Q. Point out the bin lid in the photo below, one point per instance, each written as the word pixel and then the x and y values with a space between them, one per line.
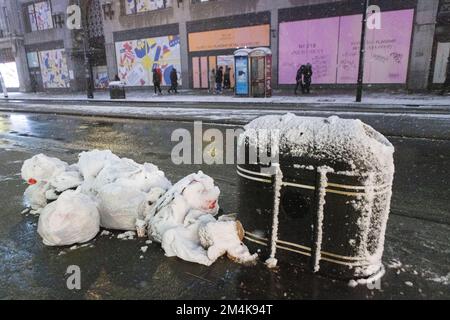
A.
pixel 116 84
pixel 336 142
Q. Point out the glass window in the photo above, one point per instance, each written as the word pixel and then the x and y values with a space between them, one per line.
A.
pixel 40 16
pixel 138 6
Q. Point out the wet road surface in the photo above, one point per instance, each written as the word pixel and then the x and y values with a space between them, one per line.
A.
pixel 418 234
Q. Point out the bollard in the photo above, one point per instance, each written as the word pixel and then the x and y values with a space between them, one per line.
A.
pixel 335 193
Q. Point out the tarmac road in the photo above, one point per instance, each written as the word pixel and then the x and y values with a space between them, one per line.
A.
pixel 418 232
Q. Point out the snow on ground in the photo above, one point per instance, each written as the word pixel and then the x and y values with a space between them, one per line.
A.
pixel 189 96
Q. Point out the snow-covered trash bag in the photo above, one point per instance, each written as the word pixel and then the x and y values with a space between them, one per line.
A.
pixel 41 168
pixel 122 206
pixel 177 218
pixel 72 218
pixel 91 162
pixel 38 172
pixel 125 191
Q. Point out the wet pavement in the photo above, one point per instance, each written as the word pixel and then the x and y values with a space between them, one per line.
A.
pixel 417 252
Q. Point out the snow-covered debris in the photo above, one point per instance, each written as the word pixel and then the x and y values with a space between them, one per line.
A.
pixel 144 249
pixel 183 221
pixel 118 193
pixel 225 237
pixel 105 233
pixel 73 218
pixel 129 235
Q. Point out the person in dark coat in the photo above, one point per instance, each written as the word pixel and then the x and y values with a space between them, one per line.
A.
pixel 227 78
pixel 157 77
pixel 307 78
pixel 299 79
pixel 173 81
pixel 116 77
pixel 219 80
pixel 446 85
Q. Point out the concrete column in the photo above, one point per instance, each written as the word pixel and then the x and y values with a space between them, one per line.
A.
pixel 274 45
pixel 22 66
pixel 184 51
pixel 422 44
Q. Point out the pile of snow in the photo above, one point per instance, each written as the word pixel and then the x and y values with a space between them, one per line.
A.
pixel 103 190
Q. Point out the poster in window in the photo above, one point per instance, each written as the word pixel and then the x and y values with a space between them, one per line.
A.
pixel 33 59
pixel 241 74
pixel 54 71
pixel 137 58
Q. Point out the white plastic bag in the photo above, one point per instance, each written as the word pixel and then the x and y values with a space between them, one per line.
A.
pixel 41 168
pixel 73 218
pixel 90 163
pixel 194 192
pixel 120 206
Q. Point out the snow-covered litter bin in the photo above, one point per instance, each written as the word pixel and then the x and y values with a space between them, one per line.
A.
pixel 336 188
pixel 117 90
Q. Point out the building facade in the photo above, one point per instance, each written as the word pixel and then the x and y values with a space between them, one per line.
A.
pixel 129 37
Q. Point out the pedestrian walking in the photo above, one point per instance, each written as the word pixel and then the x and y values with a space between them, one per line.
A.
pixel 227 78
pixel 116 77
pixel 299 79
pixel 212 80
pixel 446 85
pixel 157 78
pixel 173 81
pixel 307 78
pixel 219 80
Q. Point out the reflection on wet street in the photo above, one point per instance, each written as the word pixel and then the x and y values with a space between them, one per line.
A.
pixel 418 233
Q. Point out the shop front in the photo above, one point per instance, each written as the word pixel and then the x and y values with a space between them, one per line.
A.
pixel 138 52
pixel 330 42
pixel 212 44
pixel 441 50
pixel 47 65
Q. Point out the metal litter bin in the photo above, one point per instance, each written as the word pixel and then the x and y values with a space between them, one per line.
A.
pixel 335 195
pixel 117 90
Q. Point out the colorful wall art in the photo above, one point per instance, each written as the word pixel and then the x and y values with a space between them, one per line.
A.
pixel 40 15
pixel 54 69
pixel 138 6
pixel 137 58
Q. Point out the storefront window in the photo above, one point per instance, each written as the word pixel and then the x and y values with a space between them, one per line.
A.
pixel 40 16
pixel 200 1
pixel 139 6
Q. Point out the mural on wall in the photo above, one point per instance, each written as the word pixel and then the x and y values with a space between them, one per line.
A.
pixel 54 69
pixel 138 6
pixel 137 58
pixel 40 15
pixel 334 54
pixel 101 80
